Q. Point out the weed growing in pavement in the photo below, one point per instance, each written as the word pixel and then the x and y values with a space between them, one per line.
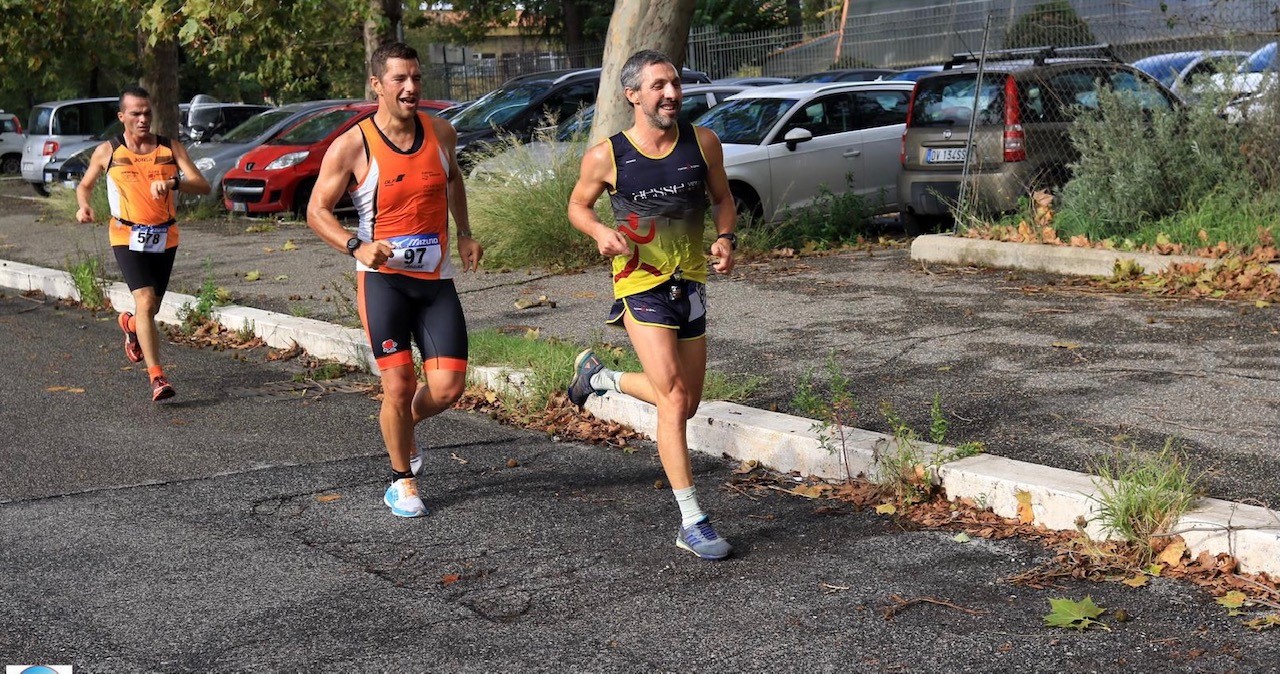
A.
pixel 322 371
pixel 86 275
pixel 516 198
pixel 248 331
pixel 833 413
pixel 343 298
pixel 905 469
pixel 830 221
pixel 209 296
pixel 1141 495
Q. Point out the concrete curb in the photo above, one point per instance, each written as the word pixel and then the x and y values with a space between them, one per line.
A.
pixel 1066 260
pixel 1059 499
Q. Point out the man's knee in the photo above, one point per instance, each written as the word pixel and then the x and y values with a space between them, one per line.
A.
pixel 146 304
pixel 399 385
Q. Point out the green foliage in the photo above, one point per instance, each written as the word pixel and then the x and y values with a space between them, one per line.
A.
pixel 1141 494
pixel 1185 171
pixel 86 275
pixel 740 16
pixel 1053 23
pixel 905 469
pixel 730 387
pixel 517 201
pixel 834 412
pixel 830 221
pixel 1078 615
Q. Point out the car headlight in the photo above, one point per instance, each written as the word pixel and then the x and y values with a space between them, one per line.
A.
pixel 206 164
pixel 287 160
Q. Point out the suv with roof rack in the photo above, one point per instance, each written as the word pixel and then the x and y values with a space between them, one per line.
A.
pixel 997 128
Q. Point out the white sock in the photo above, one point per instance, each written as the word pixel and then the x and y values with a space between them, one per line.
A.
pixel 606 380
pixel 690 511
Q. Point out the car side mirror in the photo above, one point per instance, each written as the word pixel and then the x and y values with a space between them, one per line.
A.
pixel 796 136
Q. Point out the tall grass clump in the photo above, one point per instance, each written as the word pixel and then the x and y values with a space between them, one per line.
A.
pixel 1141 495
pixel 518 195
pixel 86 275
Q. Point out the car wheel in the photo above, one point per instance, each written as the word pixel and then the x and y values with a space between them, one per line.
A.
pixel 40 189
pixel 11 164
pixel 300 199
pixel 746 203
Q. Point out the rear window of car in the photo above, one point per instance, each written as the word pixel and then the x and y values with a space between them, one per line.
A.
pixel 38 122
pixel 256 126
pixel 949 100
pixel 1261 60
pixel 746 121
pixel 315 129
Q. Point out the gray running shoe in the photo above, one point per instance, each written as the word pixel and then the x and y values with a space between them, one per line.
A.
pixel 703 541
pixel 585 366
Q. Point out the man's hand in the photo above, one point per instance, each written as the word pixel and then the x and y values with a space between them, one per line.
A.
pixel 374 254
pixel 470 251
pixel 161 188
pixel 85 214
pixel 724 250
pixel 610 242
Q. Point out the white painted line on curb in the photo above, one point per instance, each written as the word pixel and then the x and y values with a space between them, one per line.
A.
pixel 1060 499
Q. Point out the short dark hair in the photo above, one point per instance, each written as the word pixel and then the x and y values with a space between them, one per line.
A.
pixel 135 91
pixel 638 62
pixel 390 50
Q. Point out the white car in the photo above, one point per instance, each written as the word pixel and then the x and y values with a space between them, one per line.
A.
pixel 784 145
pixel 1254 75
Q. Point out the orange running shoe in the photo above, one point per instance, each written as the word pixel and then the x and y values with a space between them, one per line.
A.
pixel 160 389
pixel 132 349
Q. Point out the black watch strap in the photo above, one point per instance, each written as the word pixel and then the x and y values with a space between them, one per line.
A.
pixel 353 244
pixel 733 239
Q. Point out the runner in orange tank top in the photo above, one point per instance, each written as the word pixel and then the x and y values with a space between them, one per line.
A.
pixel 401 169
pixel 143 171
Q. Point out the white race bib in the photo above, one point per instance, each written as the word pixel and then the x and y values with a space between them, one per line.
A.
pixel 144 239
pixel 417 252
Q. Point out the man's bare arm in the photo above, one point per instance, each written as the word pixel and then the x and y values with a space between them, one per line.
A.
pixel 469 250
pixel 84 190
pixel 593 179
pixel 337 169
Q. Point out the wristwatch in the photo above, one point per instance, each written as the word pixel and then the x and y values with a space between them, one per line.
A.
pixel 353 244
pixel 733 239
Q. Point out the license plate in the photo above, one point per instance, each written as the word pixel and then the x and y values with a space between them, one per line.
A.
pixel 70 184
pixel 239 207
pixel 50 176
pixel 945 155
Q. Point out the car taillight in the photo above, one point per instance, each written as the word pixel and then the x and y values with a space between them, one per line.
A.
pixel 911 107
pixel 50 148
pixel 1015 141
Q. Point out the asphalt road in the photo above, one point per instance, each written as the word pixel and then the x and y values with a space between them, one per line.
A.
pixel 225 531
pixel 1036 370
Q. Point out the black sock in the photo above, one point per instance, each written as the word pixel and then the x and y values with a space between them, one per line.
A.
pixel 397 475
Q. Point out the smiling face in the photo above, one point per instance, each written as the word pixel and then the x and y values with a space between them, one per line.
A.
pixel 659 95
pixel 399 87
pixel 135 114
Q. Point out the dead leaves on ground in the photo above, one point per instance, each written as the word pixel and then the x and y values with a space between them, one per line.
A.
pixel 560 418
pixel 212 334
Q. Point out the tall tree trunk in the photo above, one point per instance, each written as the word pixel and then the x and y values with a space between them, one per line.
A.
pixel 637 24
pixel 159 67
pixel 382 26
pixel 573 29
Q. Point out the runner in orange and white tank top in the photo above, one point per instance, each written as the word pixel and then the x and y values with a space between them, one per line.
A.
pixel 143 170
pixel 401 169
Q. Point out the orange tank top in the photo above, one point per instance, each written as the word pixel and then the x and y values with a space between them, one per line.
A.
pixel 404 199
pixel 137 219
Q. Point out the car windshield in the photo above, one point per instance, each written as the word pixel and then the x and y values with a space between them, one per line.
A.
pixel 1164 68
pixel 1260 61
pixel 949 101
pixel 746 121
pixel 499 106
pixel 114 129
pixel 315 128
pixel 255 126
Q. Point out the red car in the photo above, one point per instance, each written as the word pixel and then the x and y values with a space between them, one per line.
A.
pixel 278 175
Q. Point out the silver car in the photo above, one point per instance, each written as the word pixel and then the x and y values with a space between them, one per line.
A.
pixel 58 123
pixel 785 145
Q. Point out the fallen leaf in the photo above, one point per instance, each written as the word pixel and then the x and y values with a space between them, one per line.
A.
pixel 1065 345
pixel 1079 615
pixel 512 463
pixel 450 578
pixel 328 498
pixel 811 491
pixel 67 389
pixel 282 277
pixel 961 537
pixel 746 467
pixel 1171 556
pixel 886 509
pixel 1026 514
pixel 1137 581
pixel 1232 600
pixel 253 275
pixel 289 245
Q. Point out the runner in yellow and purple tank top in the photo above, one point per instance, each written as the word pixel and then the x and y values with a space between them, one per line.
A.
pixel 659 173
